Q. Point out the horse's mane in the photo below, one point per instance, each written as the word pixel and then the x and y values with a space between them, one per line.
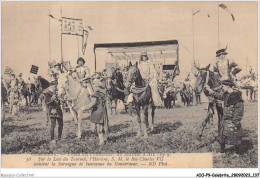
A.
pixel 119 78
pixel 139 80
pixel 44 83
pixel 214 80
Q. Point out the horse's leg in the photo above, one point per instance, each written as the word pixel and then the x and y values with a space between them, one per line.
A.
pixel 80 114
pixel 47 114
pixel 251 94
pixel 205 122
pixel 14 110
pixel 29 99
pixel 139 121
pixel 111 106
pixel 115 106
pixel 10 107
pixel 2 117
pixel 100 134
pixel 73 113
pixel 145 121
pixel 220 127
pixel 153 113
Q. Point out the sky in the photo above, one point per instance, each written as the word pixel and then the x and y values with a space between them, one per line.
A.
pixel 25 31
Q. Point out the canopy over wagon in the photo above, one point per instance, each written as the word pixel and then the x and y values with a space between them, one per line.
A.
pixel 165 54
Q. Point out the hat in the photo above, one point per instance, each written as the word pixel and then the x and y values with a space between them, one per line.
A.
pixel 144 53
pixel 80 59
pixel 58 64
pixel 221 52
pixel 20 74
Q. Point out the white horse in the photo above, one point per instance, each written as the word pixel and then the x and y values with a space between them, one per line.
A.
pixel 80 101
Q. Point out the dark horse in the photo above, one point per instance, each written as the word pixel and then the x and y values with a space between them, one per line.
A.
pixel 26 93
pixel 169 97
pixel 207 77
pixel 43 84
pixel 115 89
pixel 142 98
pixel 186 95
pixel 33 91
pixel 4 99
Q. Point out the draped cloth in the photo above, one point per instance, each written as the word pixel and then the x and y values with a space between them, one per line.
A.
pixel 150 75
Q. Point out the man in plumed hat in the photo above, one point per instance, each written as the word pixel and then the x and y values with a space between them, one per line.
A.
pixel 225 68
pixel 232 109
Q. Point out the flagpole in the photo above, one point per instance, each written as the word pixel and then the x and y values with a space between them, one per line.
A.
pixel 218 24
pixel 49 34
pixel 246 64
pixel 193 37
pixel 61 39
pixel 78 44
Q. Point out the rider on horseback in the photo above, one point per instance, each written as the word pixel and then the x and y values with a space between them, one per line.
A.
pixel 233 104
pixel 149 74
pixel 14 95
pixel 225 68
pixel 83 74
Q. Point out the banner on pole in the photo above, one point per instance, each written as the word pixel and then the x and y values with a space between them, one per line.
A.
pixel 34 69
pixel 84 41
pixel 72 26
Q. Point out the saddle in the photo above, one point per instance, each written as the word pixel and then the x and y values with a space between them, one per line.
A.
pixel 139 92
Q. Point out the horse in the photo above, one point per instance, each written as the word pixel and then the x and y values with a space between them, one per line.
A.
pixel 4 99
pixel 207 77
pixel 115 90
pixel 250 86
pixel 43 84
pixel 81 101
pixel 186 94
pixel 33 90
pixel 25 91
pixel 142 97
pixel 169 96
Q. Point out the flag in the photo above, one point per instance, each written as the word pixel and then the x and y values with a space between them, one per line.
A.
pixel 72 26
pixel 8 71
pixel 196 12
pixel 84 41
pixel 223 6
pixel 89 27
pixel 34 69
pixel 176 72
pixel 51 16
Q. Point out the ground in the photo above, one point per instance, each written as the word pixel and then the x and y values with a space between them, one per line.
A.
pixel 175 132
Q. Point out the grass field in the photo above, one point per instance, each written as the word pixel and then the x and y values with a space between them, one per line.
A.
pixel 175 132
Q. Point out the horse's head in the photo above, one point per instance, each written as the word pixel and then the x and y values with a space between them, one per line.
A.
pixel 201 79
pixel 132 75
pixel 63 84
pixel 109 83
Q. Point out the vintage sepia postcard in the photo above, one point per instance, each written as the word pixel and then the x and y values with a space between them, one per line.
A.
pixel 129 84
